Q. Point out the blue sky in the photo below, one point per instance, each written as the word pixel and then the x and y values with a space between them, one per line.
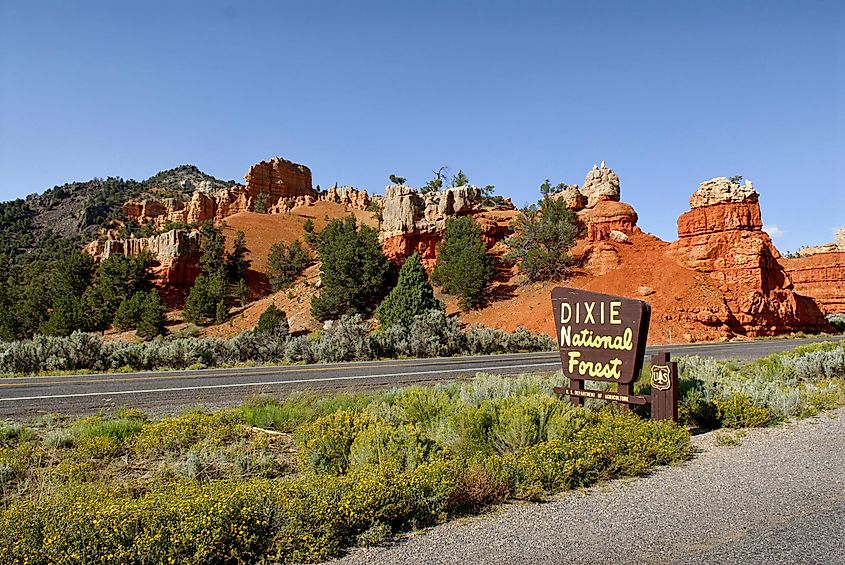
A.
pixel 668 93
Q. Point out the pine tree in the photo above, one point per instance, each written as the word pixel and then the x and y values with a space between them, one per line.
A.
pixel 117 278
pixel 286 263
pixel 543 237
pixel 129 312
pixel 354 270
pixel 152 319
pixel 213 249
pixel 208 299
pixel 242 293
pixel 412 295
pixel 463 266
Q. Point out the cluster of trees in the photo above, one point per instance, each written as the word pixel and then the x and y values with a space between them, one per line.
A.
pixel 222 277
pixel 355 274
pixel 59 290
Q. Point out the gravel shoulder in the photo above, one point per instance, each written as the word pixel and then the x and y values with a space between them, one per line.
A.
pixel 777 497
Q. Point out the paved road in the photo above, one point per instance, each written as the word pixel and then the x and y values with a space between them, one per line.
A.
pixel 170 391
pixel 777 497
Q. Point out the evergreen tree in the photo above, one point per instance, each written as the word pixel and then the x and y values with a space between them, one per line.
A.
pixel 67 316
pixel 436 183
pixel 273 321
pixel 543 237
pixel 286 263
pixel 67 279
pixel 236 262
pixel 213 249
pixel 412 295
pixel 207 300
pixel 129 312
pixel 460 179
pixel 261 203
pixel 354 270
pixel 464 268
pixel 117 278
pixel 153 318
pixel 144 312
pixel 242 293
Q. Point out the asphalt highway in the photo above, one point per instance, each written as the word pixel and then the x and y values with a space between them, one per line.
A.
pixel 171 391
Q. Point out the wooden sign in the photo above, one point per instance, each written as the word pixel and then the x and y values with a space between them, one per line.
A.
pixel 603 338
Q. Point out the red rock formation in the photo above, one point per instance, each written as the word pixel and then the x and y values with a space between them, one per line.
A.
pixel 821 277
pixel 415 223
pixel 278 178
pixel 175 254
pixel 607 216
pixel 722 236
pixel 399 247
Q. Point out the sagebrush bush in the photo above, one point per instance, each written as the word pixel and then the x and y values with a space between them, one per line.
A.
pixel 432 334
pixel 347 340
pixel 837 321
pixel 738 411
pixel 324 444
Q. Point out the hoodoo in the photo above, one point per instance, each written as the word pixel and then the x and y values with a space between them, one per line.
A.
pixel 722 235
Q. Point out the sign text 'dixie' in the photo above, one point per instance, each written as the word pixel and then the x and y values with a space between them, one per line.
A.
pixel 601 337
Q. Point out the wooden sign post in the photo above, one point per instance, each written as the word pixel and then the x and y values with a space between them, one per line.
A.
pixel 664 388
pixel 603 338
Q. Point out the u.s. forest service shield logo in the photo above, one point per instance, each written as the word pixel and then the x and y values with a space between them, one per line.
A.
pixel 660 377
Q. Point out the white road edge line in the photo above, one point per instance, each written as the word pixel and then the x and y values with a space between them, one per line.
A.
pixel 270 383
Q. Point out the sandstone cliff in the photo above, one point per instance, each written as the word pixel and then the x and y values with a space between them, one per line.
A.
pixel 819 272
pixel 175 255
pixel 722 235
pixel 277 182
pixel 414 222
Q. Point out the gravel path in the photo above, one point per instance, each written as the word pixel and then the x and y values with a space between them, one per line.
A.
pixel 777 497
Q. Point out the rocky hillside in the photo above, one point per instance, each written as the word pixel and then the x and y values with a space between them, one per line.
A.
pixel 78 210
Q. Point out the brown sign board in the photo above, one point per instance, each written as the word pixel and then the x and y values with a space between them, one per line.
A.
pixel 601 337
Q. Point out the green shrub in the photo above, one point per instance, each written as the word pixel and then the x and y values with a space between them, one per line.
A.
pixel 398 447
pixel 13 432
pixel 695 410
pixel 522 421
pixel 324 444
pixel 737 411
pixel 837 321
pixel 421 404
pixel 273 321
pixel 543 236
pixel 347 340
